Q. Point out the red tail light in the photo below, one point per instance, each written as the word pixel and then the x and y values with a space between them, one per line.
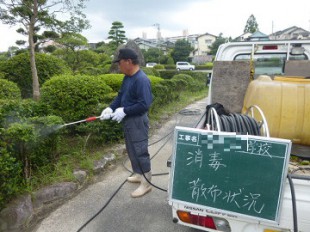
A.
pixel 204 221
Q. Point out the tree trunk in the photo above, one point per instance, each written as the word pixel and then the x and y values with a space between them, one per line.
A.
pixel 34 72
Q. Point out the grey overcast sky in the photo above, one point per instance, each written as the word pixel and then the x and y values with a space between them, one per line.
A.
pixel 174 16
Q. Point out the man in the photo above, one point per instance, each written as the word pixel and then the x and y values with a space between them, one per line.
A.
pixel 131 106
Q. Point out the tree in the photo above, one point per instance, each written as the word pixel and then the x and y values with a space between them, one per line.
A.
pixel 33 15
pixel 116 34
pixel 215 45
pixel 181 51
pixel 251 25
pixel 105 48
pixel 72 43
pixel 153 55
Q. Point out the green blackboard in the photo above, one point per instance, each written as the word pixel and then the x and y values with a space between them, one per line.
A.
pixel 237 174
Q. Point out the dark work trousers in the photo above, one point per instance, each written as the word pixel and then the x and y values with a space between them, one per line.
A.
pixel 136 137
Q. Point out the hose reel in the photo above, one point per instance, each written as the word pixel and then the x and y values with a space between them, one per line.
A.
pixel 239 123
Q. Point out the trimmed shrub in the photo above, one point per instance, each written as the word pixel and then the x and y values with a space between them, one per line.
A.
pixel 156 73
pixel 168 74
pixel 151 71
pixel 207 66
pixel 11 180
pixel 193 84
pixel 106 68
pixel 170 66
pixel 155 80
pixel 2 74
pixel 159 66
pixel 49 132
pixel 75 97
pixel 33 141
pixel 161 96
pixel 9 90
pixel 12 111
pixel 173 90
pixel 113 80
pixel 148 71
pixel 198 76
pixel 18 70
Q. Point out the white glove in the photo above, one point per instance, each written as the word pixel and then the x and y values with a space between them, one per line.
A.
pixel 118 114
pixel 106 114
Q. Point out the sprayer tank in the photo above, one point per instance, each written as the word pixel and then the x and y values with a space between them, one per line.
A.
pixel 285 102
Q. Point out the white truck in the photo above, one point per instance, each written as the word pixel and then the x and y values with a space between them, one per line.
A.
pixel 273 78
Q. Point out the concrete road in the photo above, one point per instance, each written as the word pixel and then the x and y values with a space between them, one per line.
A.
pixel 102 207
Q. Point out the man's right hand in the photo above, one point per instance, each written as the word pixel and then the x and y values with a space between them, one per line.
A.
pixel 106 113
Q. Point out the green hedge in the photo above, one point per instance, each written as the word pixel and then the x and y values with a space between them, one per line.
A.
pixel 26 133
pixel 9 90
pixel 34 141
pixel 168 74
pixel 12 111
pixel 18 70
pixel 159 67
pixel 75 97
pixel 207 66
pixel 170 66
pixel 26 146
pixel 115 80
pixel 11 181
pixel 151 71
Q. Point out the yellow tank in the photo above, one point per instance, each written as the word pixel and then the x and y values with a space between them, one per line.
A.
pixel 286 106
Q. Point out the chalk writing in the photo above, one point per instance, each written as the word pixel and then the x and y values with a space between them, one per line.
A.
pixel 230 197
pixel 195 158
pixel 249 201
pixel 215 161
pixel 259 148
pixel 214 192
pixel 197 189
pixel 227 172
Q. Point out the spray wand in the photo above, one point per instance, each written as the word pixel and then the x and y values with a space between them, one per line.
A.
pixel 84 120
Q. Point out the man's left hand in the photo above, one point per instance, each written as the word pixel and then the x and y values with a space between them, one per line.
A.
pixel 118 114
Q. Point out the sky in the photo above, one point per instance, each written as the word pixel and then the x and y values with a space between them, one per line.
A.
pixel 174 16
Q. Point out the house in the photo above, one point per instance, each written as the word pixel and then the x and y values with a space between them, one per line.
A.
pixel 257 36
pixel 203 43
pixel 145 43
pixel 165 43
pixel 248 36
pixel 290 33
pixel 243 37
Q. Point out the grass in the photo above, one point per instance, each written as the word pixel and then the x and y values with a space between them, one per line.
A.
pixel 174 107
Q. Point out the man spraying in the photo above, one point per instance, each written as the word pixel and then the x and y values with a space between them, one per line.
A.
pixel 130 107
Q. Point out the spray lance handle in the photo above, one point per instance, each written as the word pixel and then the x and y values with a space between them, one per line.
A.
pixel 91 119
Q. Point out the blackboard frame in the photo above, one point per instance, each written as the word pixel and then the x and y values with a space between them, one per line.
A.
pixel 181 190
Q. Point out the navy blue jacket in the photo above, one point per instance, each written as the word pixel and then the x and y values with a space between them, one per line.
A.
pixel 135 94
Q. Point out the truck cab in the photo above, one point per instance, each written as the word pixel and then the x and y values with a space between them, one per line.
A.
pixel 273 76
